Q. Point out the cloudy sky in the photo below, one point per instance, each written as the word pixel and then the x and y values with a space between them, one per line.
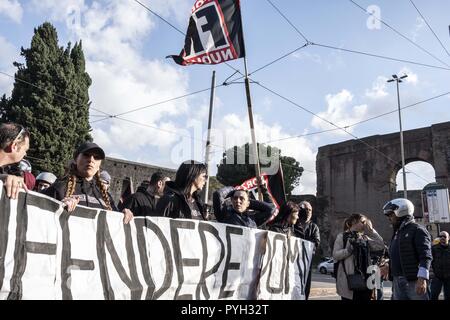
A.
pixel 125 46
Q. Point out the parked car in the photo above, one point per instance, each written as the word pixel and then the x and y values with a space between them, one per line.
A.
pixel 326 266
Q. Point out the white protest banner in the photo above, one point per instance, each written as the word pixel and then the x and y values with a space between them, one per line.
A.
pixel 47 253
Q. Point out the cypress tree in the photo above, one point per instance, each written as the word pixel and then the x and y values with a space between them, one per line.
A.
pixel 54 103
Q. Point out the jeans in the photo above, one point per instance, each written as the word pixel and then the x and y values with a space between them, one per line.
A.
pixel 436 287
pixel 406 290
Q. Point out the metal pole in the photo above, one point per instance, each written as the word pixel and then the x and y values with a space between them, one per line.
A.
pixel 208 139
pixel 252 127
pixel 405 192
pixel 250 115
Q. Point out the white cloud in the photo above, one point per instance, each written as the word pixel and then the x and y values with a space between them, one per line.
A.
pixel 234 130
pixel 378 89
pixel 340 112
pixel 304 55
pixel 8 54
pixel 420 23
pixel 412 78
pixel 12 9
pixel 112 33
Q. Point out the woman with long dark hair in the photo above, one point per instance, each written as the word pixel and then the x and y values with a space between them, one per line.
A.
pixel 285 221
pixel 181 198
pixel 82 185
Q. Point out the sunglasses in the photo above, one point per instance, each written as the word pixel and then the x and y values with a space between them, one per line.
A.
pixel 20 134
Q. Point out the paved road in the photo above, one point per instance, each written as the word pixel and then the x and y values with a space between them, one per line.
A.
pixel 323 287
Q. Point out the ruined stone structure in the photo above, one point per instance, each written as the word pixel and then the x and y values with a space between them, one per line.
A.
pixel 121 169
pixel 353 178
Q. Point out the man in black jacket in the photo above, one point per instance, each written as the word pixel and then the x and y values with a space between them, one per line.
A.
pixel 409 252
pixel 441 267
pixel 307 230
pixel 235 207
pixel 143 202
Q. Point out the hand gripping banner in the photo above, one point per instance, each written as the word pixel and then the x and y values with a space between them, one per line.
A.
pixel 214 33
pixel 47 253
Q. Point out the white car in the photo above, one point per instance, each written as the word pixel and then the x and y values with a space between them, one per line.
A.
pixel 326 266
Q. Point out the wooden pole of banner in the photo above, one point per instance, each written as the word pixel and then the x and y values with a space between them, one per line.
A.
pixel 252 129
pixel 208 140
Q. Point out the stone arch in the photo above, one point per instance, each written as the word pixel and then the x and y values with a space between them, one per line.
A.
pixel 352 177
pixel 413 174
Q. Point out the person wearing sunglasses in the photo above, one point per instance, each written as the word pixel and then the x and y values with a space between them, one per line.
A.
pixel 83 184
pixel 441 267
pixel 14 144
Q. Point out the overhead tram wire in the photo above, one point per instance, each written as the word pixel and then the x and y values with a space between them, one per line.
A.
pixel 400 34
pixel 348 50
pixel 56 94
pixel 292 25
pixel 273 91
pixel 362 121
pixel 380 56
pixel 331 123
pixel 435 35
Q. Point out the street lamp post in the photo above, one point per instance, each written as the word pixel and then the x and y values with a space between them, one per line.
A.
pixel 398 80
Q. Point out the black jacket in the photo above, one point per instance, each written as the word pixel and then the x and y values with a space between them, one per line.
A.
pixel 287 230
pixel 173 203
pixel 256 215
pixel 88 191
pixel 141 203
pixel 441 261
pixel 309 232
pixel 414 247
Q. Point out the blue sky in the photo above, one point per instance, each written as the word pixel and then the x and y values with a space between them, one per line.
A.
pixel 125 47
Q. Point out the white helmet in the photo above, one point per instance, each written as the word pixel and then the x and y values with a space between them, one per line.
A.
pixel 401 207
pixel 47 177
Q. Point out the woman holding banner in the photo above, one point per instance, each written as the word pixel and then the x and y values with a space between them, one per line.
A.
pixel 285 221
pixel 182 197
pixel 82 185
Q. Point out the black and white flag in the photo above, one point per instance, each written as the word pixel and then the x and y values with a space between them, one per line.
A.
pixel 214 33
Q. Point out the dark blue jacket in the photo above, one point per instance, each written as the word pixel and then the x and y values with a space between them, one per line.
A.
pixel 414 243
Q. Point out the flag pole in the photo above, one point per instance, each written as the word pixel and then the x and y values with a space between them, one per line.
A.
pixel 250 115
pixel 208 140
pixel 252 128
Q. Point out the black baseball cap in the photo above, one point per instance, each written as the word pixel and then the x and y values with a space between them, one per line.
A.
pixel 89 146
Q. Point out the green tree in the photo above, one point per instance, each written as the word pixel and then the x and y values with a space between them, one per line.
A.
pixel 4 104
pixel 237 165
pixel 50 97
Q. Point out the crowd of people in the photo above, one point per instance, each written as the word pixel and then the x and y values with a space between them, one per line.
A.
pixel 407 261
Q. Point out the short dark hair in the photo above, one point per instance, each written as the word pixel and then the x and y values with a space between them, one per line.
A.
pixel 187 173
pixel 10 132
pixel 157 176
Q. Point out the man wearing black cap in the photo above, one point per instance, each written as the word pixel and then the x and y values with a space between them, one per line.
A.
pixel 83 184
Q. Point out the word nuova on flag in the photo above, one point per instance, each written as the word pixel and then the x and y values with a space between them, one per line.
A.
pixel 214 33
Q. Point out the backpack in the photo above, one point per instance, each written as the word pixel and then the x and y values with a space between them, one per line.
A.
pixel 336 264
